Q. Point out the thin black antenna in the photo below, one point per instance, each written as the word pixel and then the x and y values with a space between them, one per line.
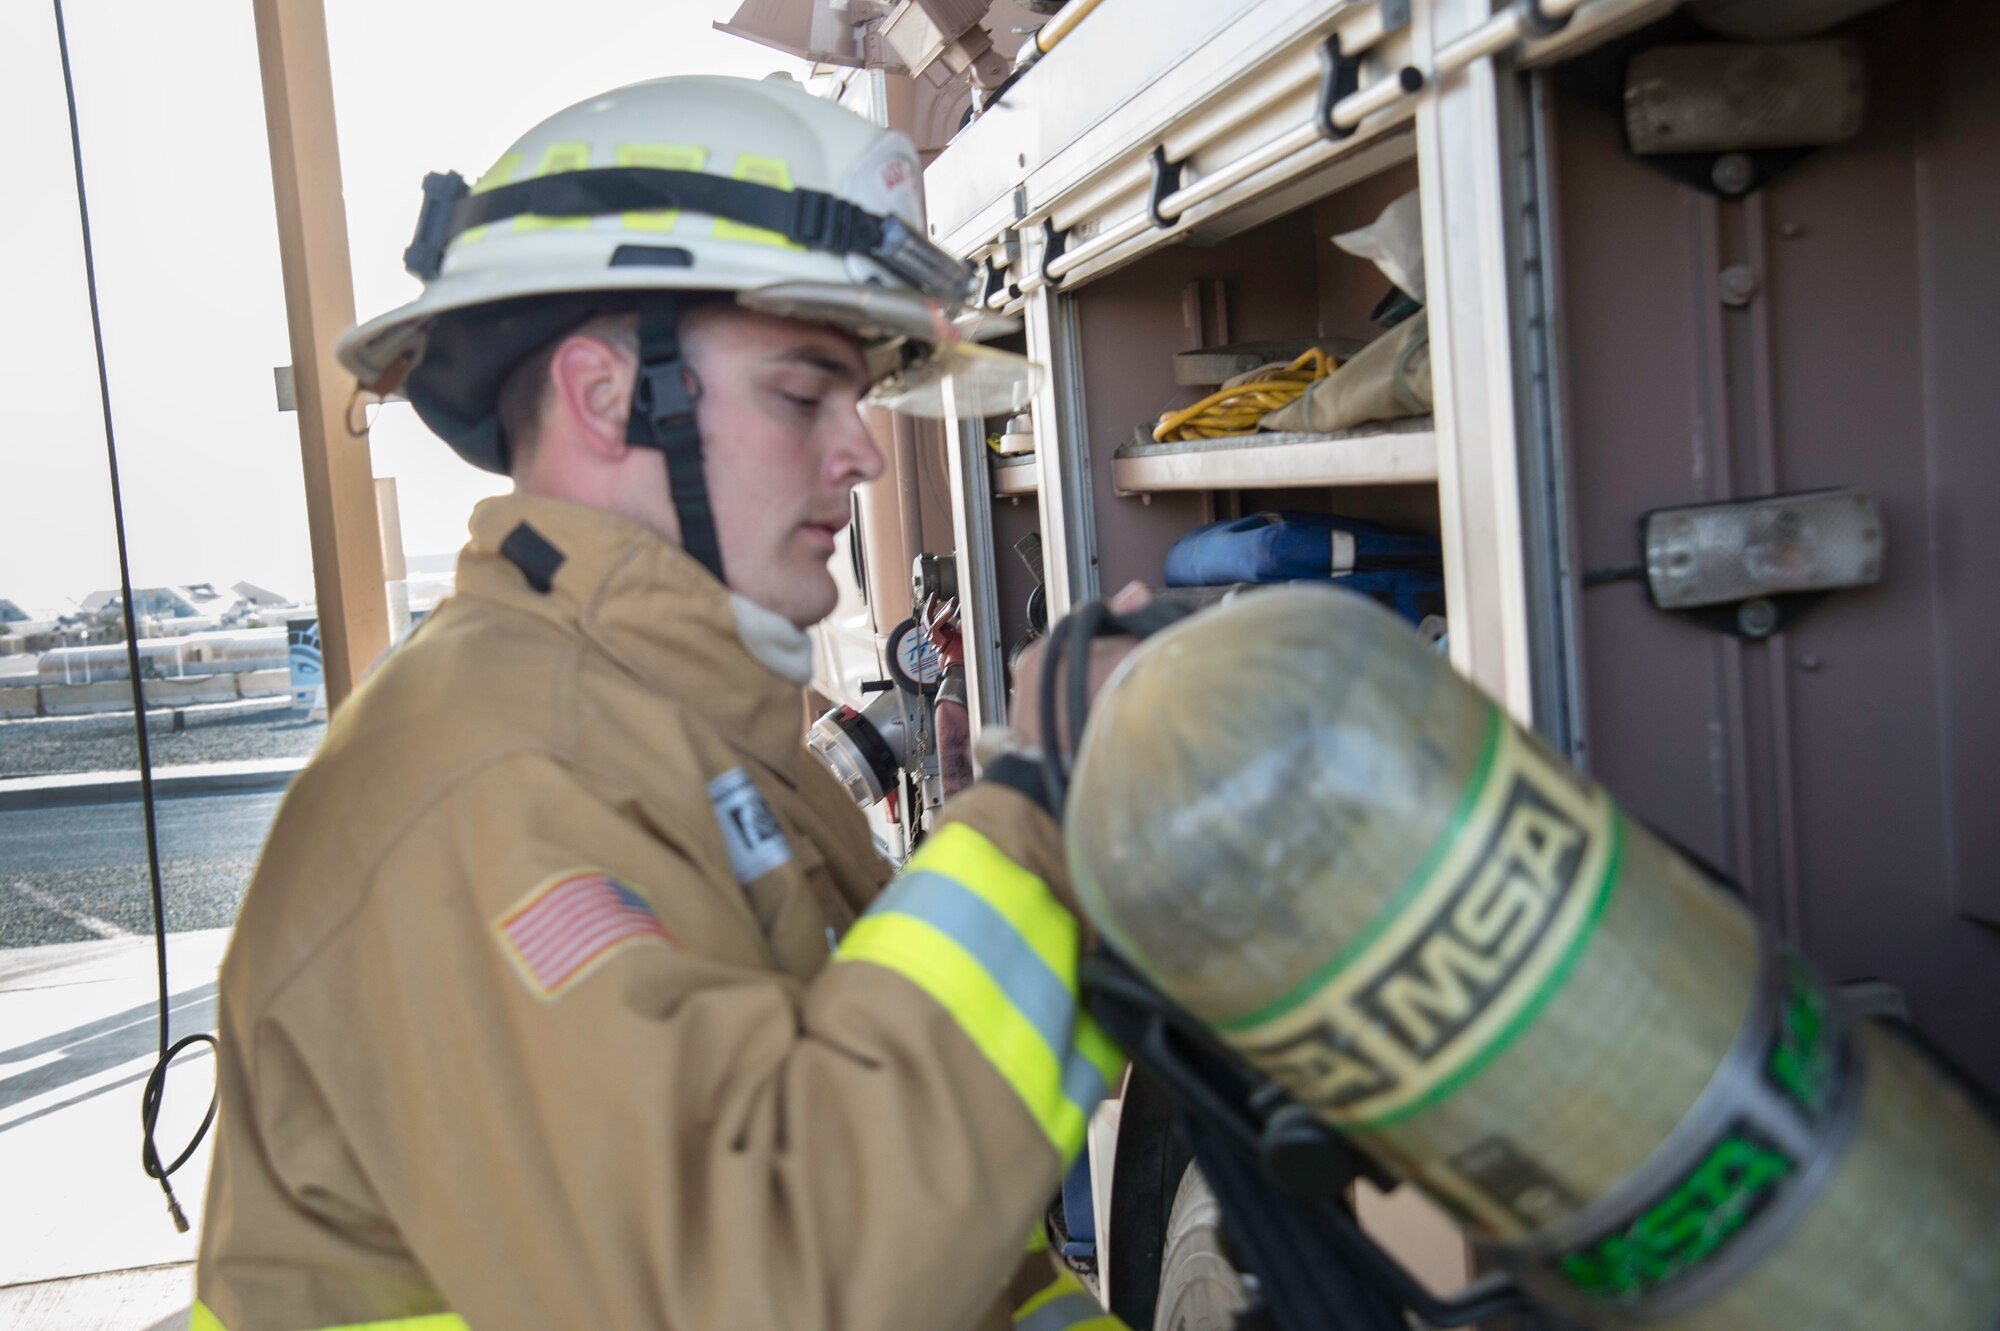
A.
pixel 149 1108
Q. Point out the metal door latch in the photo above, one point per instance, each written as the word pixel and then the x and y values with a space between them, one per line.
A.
pixel 1750 567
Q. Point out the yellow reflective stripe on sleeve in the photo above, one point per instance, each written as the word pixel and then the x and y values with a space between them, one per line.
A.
pixel 1016 895
pixel 1095 1048
pixel 1092 1066
pixel 201 1319
pixel 1064 1282
pixel 1038 1238
pixel 770 171
pixel 936 964
pixel 990 943
pixel 557 159
pixel 1077 1312
pixel 501 173
pixel 1022 900
pixel 1064 1305
pixel 659 157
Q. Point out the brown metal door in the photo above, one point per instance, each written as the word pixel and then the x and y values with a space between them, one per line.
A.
pixel 1847 769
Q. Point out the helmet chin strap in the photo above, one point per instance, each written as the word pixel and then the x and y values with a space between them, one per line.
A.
pixel 663 417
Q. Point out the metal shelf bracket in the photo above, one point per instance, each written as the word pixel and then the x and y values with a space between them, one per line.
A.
pixel 1339 78
pixel 1054 242
pixel 1166 180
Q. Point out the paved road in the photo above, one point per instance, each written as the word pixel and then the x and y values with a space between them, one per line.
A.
pixel 69 874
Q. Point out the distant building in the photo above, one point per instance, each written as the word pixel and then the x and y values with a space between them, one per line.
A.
pixel 21 623
pixel 261 597
pixel 196 607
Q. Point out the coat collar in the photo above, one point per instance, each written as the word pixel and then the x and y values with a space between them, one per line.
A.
pixel 646 605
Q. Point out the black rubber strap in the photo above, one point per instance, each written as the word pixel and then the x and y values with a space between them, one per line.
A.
pixel 530 551
pixel 807 217
pixel 1022 775
pixel 663 417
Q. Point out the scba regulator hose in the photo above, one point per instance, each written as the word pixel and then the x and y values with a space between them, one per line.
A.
pixel 1303 827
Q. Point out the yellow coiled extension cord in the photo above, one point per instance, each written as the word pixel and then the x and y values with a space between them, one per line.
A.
pixel 1237 408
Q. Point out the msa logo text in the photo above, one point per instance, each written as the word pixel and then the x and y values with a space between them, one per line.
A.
pixel 1390 1032
pixel 1441 982
pixel 1703 1213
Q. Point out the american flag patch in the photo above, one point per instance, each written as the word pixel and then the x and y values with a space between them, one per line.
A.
pixel 569 925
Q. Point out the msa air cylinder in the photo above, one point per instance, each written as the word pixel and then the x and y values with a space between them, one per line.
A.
pixel 1302 826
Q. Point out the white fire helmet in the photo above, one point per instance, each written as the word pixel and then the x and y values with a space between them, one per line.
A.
pixel 663 194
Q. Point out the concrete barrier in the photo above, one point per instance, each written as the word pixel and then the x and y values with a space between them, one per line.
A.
pixel 115 695
pixel 194 689
pixel 110 695
pixel 265 683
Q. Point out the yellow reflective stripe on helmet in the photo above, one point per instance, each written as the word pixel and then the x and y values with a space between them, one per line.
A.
pixel 658 157
pixel 557 159
pixel 201 1319
pixel 500 173
pixel 770 171
pixel 1064 1305
pixel 990 943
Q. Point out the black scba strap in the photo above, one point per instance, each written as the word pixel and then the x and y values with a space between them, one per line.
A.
pixel 663 417
pixel 1281 1176
pixel 812 218
pixel 1069 661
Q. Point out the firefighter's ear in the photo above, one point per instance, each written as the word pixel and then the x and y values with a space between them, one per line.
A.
pixel 591 381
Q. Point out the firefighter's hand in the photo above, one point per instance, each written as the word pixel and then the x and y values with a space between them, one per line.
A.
pixel 1024 709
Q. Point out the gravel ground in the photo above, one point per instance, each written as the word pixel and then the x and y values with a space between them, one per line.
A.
pixel 48 746
pixel 78 872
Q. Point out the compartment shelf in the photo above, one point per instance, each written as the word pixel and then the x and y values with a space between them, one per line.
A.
pixel 1390 453
pixel 1015 476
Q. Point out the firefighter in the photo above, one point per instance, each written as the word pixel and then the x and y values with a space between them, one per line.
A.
pixel 566 993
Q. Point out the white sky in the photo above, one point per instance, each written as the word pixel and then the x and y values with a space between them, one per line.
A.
pixel 178 170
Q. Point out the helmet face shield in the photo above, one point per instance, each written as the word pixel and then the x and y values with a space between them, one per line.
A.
pixel 960 380
pixel 915 345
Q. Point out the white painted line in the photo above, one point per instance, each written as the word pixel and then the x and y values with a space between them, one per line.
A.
pixel 102 928
pixel 135 1069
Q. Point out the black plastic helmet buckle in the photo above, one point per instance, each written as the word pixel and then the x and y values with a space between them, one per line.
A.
pixel 425 255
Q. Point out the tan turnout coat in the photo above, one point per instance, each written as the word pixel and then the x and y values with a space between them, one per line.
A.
pixel 700 1124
